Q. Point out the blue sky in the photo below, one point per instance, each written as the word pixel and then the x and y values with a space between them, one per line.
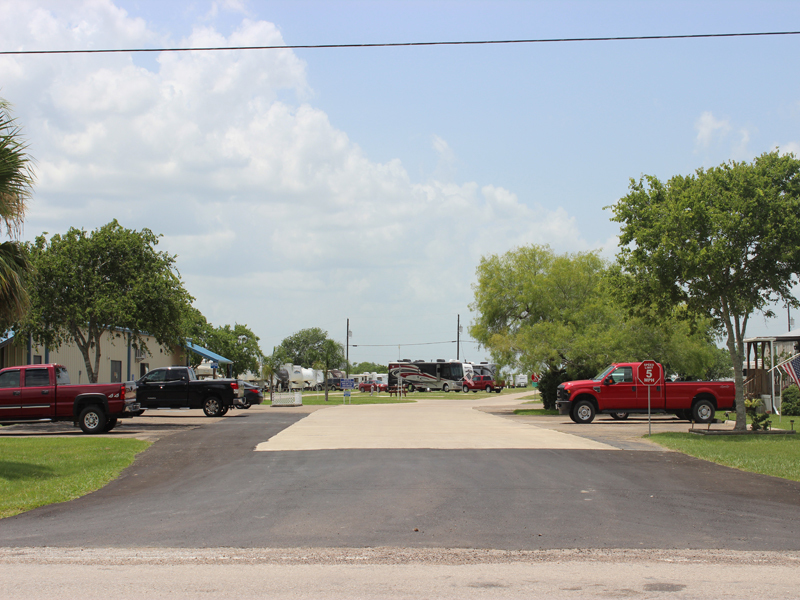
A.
pixel 301 188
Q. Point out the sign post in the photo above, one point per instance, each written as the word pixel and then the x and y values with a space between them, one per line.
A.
pixel 347 385
pixel 649 374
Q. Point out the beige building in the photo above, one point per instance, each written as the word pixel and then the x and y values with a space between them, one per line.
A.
pixel 119 360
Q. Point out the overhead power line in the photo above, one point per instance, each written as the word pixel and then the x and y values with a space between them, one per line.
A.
pixel 410 44
pixel 398 345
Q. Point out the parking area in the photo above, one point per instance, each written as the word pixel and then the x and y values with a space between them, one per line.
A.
pixel 624 435
pixel 151 426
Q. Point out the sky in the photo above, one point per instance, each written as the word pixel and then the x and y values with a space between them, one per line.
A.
pixel 301 188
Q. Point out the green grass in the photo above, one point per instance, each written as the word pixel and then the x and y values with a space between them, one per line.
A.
pixel 318 398
pixel 338 398
pixel 776 421
pixel 536 412
pixel 776 455
pixel 39 471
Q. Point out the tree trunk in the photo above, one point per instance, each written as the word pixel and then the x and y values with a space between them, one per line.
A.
pixel 735 349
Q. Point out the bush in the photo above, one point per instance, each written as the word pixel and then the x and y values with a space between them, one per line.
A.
pixel 791 402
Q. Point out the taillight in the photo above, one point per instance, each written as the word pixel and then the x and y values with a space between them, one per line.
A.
pixel 234 385
pixel 123 392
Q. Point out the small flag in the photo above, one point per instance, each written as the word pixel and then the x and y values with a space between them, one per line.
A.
pixel 792 367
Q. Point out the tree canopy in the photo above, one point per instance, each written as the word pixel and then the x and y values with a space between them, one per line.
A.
pixel 238 344
pixel 16 186
pixel 560 315
pixel 112 279
pixel 369 367
pixel 724 243
pixel 302 348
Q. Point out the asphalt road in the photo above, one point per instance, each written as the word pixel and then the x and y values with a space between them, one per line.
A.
pixel 207 488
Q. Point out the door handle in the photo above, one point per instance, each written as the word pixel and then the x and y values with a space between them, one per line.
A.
pixel 633 388
pixel 45 392
pixel 17 393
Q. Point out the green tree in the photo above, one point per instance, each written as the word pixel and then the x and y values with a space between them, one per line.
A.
pixel 724 243
pixel 559 315
pixel 112 279
pixel 301 348
pixel 329 355
pixel 238 344
pixel 370 367
pixel 16 181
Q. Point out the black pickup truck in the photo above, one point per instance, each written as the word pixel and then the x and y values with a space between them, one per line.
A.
pixel 179 387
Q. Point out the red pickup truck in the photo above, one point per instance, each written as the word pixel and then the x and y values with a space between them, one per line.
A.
pixel 616 391
pixel 40 393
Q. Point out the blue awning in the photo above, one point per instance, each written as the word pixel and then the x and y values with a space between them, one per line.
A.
pixel 206 353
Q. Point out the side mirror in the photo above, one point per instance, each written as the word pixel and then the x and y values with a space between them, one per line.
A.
pixel 608 381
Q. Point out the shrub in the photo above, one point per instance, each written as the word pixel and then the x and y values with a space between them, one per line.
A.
pixel 790 406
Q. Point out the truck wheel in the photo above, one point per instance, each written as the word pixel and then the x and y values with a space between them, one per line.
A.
pixel 703 411
pixel 583 412
pixel 246 405
pixel 465 389
pixel 445 388
pixel 619 416
pixel 488 389
pixel 110 424
pixel 212 407
pixel 225 410
pixel 92 420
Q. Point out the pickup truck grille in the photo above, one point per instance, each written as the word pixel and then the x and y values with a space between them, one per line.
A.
pixel 561 393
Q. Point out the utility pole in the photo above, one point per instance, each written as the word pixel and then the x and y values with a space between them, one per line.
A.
pixel 347 359
pixel 458 338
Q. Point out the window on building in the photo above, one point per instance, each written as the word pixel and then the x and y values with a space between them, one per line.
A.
pixel 116 371
pixel 37 359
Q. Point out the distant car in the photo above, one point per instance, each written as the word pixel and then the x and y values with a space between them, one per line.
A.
pixel 481 382
pixel 252 395
pixel 374 386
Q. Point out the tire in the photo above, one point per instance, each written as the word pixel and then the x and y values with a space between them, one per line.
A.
pixel 703 411
pixel 488 389
pixel 225 410
pixel 110 424
pixel 246 406
pixel 465 389
pixel 92 420
pixel 583 412
pixel 212 407
pixel 445 388
pixel 572 417
pixel 619 416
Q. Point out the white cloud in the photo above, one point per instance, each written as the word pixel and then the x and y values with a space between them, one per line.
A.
pixel 709 128
pixel 279 220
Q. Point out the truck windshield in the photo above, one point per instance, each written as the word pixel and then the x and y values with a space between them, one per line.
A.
pixel 602 375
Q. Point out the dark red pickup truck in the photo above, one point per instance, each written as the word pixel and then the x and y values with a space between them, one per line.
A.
pixel 616 391
pixel 37 393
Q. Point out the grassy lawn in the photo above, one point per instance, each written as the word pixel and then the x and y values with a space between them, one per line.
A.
pixel 318 398
pixel 535 412
pixel 39 471
pixel 776 455
pixel 776 421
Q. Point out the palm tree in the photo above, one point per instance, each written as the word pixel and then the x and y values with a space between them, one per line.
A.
pixel 16 181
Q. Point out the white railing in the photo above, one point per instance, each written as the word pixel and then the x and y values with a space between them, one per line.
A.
pixel 287 399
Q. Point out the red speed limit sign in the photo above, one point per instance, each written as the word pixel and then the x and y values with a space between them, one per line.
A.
pixel 649 373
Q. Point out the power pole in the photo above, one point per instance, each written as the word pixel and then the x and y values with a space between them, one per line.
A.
pixel 347 359
pixel 458 338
